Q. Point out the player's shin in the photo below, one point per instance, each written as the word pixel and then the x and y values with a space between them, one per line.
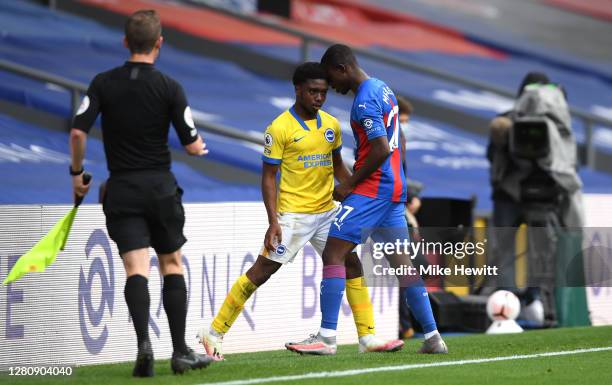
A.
pixel 359 299
pixel 418 301
pixel 416 297
pixel 332 290
pixel 240 292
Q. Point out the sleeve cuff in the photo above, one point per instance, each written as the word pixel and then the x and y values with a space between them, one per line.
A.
pixel 270 160
pixel 189 140
pixel 337 149
pixel 377 134
pixel 78 127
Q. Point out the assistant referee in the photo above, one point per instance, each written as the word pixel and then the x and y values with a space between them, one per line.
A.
pixel 142 203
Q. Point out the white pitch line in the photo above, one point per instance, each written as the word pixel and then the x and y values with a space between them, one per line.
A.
pixel 354 372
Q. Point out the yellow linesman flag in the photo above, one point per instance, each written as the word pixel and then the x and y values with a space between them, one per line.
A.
pixel 44 252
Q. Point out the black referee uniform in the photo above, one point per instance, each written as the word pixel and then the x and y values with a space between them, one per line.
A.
pixel 142 203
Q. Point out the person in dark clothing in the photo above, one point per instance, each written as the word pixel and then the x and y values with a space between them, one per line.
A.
pixel 142 202
pixel 509 212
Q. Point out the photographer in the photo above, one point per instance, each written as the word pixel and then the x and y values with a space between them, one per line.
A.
pixel 532 152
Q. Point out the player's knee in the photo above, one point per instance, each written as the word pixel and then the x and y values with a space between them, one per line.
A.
pixel 353 266
pixel 352 260
pixel 258 276
pixel 336 250
pixel 171 263
pixel 262 270
pixel 136 262
pixel 332 258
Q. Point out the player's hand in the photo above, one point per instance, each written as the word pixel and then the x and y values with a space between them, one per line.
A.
pixel 203 151
pixel 342 190
pixel 78 187
pixel 197 148
pixel 274 236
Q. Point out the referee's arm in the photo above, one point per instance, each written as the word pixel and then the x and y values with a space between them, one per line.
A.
pixel 78 143
pixel 183 123
pixel 81 124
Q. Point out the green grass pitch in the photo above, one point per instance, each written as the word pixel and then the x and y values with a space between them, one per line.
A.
pixel 588 368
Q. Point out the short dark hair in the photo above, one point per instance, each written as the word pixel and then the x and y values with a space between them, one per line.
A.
pixel 405 107
pixel 142 29
pixel 308 71
pixel 338 54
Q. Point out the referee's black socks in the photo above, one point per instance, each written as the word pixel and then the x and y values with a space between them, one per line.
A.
pixel 137 298
pixel 175 305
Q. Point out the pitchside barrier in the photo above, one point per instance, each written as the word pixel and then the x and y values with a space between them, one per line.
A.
pixel 74 313
pixel 598 214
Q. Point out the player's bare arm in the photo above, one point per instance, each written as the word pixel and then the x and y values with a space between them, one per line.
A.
pixel 378 154
pixel 269 193
pixel 341 172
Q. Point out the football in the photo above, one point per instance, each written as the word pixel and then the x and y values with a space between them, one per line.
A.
pixel 503 305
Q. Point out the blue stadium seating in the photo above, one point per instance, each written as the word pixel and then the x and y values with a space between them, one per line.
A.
pixel 34 167
pixel 78 48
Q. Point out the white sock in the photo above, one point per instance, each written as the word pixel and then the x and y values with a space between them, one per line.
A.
pixel 214 333
pixel 431 334
pixel 365 339
pixel 327 332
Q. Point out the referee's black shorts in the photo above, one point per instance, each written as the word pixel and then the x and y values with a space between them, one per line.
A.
pixel 144 208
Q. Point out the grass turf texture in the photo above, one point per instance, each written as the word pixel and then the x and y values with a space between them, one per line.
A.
pixel 587 368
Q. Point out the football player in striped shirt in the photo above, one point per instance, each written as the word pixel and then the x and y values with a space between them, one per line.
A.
pixel 372 200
